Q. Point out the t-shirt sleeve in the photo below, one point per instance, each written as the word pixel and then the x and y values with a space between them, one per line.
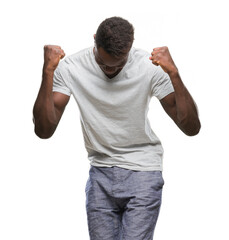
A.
pixel 61 82
pixel 161 84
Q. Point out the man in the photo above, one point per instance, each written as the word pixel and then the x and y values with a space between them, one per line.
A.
pixel 112 84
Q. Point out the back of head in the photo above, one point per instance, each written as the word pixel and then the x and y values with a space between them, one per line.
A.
pixel 115 35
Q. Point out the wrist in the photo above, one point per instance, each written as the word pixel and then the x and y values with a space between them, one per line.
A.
pixel 48 69
pixel 48 73
pixel 173 72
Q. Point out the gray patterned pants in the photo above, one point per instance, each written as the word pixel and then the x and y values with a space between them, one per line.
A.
pixel 122 204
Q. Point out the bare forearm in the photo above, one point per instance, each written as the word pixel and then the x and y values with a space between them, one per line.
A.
pixel 44 113
pixel 186 111
pixel 180 106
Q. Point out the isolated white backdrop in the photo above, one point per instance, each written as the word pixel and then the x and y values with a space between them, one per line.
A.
pixel 42 182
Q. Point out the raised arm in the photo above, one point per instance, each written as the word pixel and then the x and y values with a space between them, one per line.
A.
pixel 179 105
pixel 49 106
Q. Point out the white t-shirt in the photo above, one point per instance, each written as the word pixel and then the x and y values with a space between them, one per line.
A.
pixel 113 112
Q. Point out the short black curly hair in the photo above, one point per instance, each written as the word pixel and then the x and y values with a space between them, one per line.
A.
pixel 115 35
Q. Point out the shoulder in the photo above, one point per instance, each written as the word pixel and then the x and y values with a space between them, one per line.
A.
pixel 77 57
pixel 141 57
pixel 76 61
pixel 138 53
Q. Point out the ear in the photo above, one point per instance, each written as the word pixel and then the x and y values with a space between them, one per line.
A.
pixel 94 36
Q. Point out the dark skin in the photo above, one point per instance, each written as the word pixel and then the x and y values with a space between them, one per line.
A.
pixel 49 106
pixel 179 105
pixel 110 65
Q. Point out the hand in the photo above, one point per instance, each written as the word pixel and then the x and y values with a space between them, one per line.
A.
pixel 52 56
pixel 161 56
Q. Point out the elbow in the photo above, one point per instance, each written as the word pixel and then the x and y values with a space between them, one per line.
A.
pixel 193 130
pixel 44 132
pixel 198 129
pixel 42 135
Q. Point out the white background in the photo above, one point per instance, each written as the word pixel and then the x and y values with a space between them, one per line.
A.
pixel 42 182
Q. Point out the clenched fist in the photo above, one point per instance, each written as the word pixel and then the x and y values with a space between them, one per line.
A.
pixel 161 56
pixel 52 56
